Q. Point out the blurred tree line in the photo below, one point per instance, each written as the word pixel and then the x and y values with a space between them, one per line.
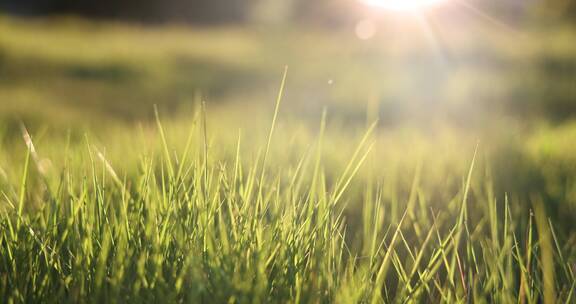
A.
pixel 234 11
pixel 565 9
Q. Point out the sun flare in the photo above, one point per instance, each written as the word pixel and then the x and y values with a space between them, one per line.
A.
pixel 403 5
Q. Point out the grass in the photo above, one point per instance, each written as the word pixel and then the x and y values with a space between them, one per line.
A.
pixel 319 198
pixel 189 226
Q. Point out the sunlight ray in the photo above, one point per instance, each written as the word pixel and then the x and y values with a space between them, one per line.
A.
pixel 431 35
pixel 485 16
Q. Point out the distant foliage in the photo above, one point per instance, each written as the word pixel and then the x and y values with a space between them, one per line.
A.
pixel 325 12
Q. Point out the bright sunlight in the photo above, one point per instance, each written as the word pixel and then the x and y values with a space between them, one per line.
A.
pixel 403 5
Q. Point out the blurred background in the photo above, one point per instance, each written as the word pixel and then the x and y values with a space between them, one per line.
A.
pixel 458 61
pixel 439 80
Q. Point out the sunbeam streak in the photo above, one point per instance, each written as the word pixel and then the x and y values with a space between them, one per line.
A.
pixel 432 38
pixel 485 16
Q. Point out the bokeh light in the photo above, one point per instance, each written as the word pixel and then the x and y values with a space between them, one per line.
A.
pixel 365 29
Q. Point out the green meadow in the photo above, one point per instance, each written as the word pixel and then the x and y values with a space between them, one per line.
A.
pixel 272 165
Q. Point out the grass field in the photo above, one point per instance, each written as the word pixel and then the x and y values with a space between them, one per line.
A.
pixel 370 172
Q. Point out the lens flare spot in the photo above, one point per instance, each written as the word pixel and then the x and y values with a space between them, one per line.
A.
pixel 365 29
